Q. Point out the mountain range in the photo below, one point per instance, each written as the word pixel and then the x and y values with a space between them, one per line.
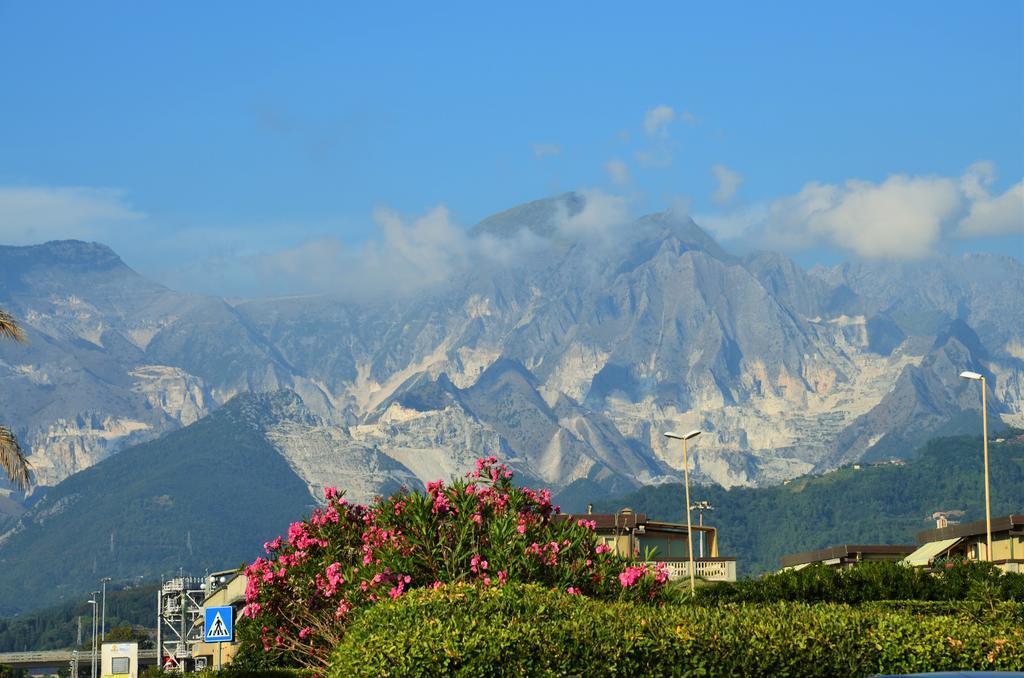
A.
pixel 174 431
pixel 568 356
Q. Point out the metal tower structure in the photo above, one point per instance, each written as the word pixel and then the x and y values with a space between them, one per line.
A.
pixel 179 622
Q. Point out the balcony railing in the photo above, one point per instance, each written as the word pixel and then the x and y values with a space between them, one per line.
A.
pixel 709 569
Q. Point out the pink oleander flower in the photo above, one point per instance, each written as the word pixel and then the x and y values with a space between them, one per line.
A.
pixel 631 575
pixel 602 548
pixel 572 591
pixel 502 576
pixel 397 590
pixel 296 530
pixel 304 632
pixel 441 504
pixel 330 493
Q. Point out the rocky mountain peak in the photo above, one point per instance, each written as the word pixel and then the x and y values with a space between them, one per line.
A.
pixel 265 410
pixel 89 255
pixel 540 217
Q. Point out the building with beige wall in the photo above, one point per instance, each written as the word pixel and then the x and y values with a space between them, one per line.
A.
pixel 222 589
pixel 970 541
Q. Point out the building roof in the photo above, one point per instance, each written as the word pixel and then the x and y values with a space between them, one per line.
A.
pixel 1011 523
pixel 608 521
pixel 845 551
pixel 924 555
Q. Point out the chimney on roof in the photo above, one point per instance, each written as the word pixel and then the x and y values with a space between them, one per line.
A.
pixel 941 521
pixel 590 509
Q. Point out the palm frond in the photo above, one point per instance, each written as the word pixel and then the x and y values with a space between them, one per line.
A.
pixel 9 327
pixel 13 461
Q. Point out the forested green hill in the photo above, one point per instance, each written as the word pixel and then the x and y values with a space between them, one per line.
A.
pixel 202 498
pixel 56 627
pixel 886 504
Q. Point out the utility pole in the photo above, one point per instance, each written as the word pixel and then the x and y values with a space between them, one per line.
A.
pixel 95 603
pixel 103 622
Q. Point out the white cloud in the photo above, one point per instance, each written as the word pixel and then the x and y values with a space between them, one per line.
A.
pixel 602 216
pixel 408 253
pixel 988 214
pixel 745 222
pixel 657 120
pixel 900 217
pixel 34 214
pixel 545 150
pixel 998 215
pixel 689 118
pixel 618 171
pixel 680 205
pixel 728 182
pixel 977 179
pixel 313 265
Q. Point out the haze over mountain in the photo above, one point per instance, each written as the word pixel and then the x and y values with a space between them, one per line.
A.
pixel 568 348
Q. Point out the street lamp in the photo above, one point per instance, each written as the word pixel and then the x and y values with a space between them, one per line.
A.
pixel 701 507
pixel 94 603
pixel 686 476
pixel 974 376
pixel 103 616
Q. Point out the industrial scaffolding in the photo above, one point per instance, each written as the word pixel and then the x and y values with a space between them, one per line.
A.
pixel 179 621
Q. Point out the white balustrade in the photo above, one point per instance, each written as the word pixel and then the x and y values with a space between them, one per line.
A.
pixel 710 570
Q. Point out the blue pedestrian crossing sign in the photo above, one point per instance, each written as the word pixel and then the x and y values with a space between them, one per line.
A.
pixel 219 624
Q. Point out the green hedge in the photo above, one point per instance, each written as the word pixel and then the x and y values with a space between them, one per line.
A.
pixel 525 630
pixel 954 580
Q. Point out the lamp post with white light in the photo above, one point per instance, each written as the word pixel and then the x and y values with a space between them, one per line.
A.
pixel 686 479
pixel 94 603
pixel 974 376
pixel 103 613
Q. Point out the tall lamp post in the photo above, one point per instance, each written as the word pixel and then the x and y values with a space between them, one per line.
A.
pixel 974 376
pixel 94 603
pixel 686 476
pixel 103 614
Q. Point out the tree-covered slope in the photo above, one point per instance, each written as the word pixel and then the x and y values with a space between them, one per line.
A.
pixel 203 497
pixel 56 627
pixel 868 505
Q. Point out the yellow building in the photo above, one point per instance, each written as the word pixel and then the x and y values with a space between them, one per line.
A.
pixel 970 541
pixel 222 589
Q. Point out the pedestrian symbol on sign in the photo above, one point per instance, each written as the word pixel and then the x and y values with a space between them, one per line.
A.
pixel 218 629
pixel 219 626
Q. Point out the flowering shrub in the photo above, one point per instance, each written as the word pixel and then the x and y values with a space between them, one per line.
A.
pixel 480 530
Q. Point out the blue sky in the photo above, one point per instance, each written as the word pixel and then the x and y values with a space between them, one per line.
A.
pixel 206 140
